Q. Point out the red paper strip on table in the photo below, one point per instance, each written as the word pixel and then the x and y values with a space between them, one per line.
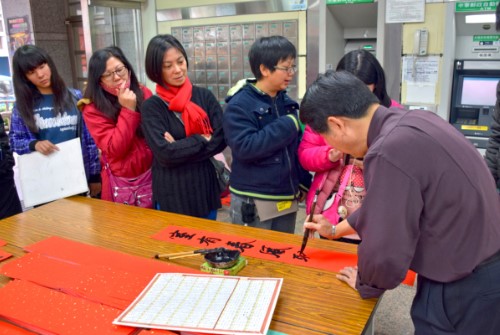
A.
pixel 10 329
pixel 101 275
pixel 81 253
pixel 4 255
pixel 48 311
pixel 2 243
pixel 155 332
pixel 107 285
pixel 315 258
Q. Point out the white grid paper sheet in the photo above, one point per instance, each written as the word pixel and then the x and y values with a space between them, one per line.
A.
pixel 205 303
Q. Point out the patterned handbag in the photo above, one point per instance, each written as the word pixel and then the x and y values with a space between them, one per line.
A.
pixel 137 191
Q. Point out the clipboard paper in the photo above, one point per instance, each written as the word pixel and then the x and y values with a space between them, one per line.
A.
pixel 58 175
pixel 205 303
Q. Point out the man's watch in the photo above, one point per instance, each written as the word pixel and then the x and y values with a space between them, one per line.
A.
pixel 334 230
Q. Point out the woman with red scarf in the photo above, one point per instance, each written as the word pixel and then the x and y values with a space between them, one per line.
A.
pixel 111 108
pixel 183 127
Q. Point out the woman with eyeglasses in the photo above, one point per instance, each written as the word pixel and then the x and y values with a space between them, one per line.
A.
pixel 45 112
pixel 182 124
pixel 111 108
pixel 317 156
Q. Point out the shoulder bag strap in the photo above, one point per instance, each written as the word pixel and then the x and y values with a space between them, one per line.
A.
pixel 177 114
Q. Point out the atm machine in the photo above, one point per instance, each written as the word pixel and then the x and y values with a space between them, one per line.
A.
pixel 473 98
pixel 476 72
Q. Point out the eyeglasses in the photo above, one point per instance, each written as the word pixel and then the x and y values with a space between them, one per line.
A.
pixel 289 70
pixel 120 72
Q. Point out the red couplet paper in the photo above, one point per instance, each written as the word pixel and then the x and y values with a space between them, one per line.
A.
pixel 97 274
pixel 315 258
pixel 4 255
pixel 2 243
pixel 81 253
pixel 155 332
pixel 48 311
pixel 9 329
pixel 106 285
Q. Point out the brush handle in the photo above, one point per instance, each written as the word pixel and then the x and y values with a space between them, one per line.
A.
pixel 188 253
pixel 307 231
pixel 177 254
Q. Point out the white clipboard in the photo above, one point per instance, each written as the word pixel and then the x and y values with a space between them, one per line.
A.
pixel 271 209
pixel 58 175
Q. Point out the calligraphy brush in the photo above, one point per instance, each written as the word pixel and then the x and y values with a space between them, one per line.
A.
pixel 188 253
pixel 308 231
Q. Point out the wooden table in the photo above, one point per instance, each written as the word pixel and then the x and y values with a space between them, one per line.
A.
pixel 311 301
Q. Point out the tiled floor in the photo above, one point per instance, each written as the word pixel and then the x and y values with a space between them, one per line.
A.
pixel 393 313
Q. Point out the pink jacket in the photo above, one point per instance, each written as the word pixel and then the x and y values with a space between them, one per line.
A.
pixel 313 155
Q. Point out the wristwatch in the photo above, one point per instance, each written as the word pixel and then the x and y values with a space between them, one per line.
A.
pixel 334 230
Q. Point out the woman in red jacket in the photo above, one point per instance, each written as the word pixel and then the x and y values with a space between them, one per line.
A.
pixel 112 105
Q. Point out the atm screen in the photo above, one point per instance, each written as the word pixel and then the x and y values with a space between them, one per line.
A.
pixel 479 91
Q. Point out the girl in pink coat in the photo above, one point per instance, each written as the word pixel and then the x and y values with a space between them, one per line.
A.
pixel 317 156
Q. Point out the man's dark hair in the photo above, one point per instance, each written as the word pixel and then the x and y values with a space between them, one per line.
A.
pixel 269 51
pixel 335 94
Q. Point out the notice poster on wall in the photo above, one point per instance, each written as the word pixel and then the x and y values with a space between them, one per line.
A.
pixel 401 11
pixel 18 29
pixel 419 78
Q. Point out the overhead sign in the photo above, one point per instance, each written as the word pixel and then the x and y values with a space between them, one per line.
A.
pixel 476 6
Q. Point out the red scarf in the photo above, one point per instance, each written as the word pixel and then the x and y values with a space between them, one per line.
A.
pixel 179 99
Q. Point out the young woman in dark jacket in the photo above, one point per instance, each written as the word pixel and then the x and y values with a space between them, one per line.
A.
pixel 182 124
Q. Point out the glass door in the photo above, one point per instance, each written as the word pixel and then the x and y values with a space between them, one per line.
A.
pixel 105 25
pixel 119 27
pixel 77 52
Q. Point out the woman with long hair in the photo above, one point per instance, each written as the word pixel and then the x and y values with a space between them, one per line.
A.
pixel 183 127
pixel 45 112
pixel 112 110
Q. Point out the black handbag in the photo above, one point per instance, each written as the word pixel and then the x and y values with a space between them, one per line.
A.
pixel 222 173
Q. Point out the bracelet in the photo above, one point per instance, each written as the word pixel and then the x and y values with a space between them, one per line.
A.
pixel 334 231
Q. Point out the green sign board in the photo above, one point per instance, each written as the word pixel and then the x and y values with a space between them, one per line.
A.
pixel 476 6
pixel 344 2
pixel 486 38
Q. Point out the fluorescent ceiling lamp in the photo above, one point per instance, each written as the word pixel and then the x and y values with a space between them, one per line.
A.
pixel 480 18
